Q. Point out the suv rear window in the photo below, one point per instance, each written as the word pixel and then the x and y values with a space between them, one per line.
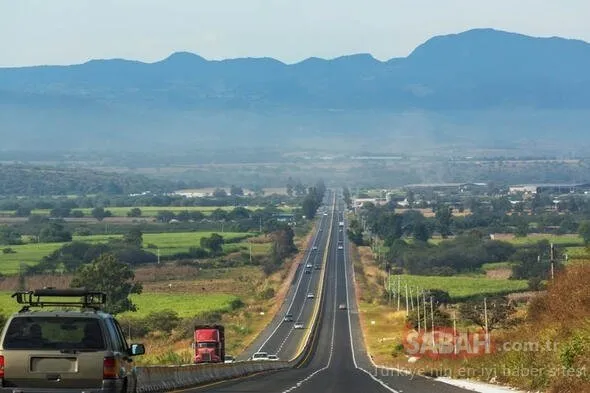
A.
pixel 54 333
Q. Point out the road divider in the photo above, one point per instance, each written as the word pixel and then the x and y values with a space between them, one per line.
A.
pixel 156 379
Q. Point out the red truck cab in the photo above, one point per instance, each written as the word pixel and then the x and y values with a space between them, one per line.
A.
pixel 209 344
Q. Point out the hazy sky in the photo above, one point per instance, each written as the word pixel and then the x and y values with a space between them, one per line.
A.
pixel 74 31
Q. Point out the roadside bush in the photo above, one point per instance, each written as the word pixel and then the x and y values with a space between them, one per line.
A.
pixel 267 293
pixel 134 327
pixel 162 321
pixel 8 250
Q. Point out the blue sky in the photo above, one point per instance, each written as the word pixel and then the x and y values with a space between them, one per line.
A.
pixel 74 31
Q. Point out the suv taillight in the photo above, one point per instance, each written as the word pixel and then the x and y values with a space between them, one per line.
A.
pixel 1 366
pixel 109 368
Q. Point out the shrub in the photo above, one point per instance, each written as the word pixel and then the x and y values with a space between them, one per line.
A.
pixel 162 321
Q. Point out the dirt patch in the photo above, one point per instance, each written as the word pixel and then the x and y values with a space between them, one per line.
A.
pixel 499 274
pixel 11 283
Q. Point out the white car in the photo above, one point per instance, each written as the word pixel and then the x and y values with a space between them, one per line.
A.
pixel 260 356
pixel 274 358
pixel 309 266
pixel 228 359
pixel 340 247
pixel 310 295
pixel 299 325
pixel 314 248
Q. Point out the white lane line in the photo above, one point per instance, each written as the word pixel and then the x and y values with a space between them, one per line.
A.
pixel 380 382
pixel 301 274
pixel 310 376
pixel 298 319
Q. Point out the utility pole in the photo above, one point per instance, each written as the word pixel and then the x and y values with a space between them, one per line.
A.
pixel 432 320
pixel 455 332
pixel 418 308
pixel 407 302
pixel 158 255
pixel 485 314
pixel 424 309
pixel 250 246
pixel 399 292
pixel 552 262
pixel 411 299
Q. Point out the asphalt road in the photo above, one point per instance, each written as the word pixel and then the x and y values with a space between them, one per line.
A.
pixel 280 338
pixel 341 363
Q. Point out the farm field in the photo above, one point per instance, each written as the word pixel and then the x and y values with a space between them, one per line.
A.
pixel 460 287
pixel 169 243
pixel 186 305
pixel 536 237
pixel 146 211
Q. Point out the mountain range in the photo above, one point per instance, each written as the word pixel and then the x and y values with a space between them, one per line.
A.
pixel 481 87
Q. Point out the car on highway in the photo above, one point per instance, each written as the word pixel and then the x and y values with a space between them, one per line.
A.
pixel 309 266
pixel 310 295
pixel 288 318
pixel 314 248
pixel 325 214
pixel 229 359
pixel 340 247
pixel 318 267
pixel 307 271
pixel 259 356
pixel 342 306
pixel 299 325
pixel 273 358
pixel 78 349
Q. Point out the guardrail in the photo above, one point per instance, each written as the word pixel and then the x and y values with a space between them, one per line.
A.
pixel 156 379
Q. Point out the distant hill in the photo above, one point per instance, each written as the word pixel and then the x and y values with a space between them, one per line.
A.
pixel 44 180
pixel 482 86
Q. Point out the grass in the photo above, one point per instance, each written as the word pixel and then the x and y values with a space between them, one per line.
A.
pixel 146 211
pixel 169 243
pixel 496 265
pixel 556 239
pixel 186 305
pixel 461 288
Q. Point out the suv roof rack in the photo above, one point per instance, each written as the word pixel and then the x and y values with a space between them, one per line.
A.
pixel 86 298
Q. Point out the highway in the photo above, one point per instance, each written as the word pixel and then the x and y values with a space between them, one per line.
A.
pixel 340 362
pixel 280 338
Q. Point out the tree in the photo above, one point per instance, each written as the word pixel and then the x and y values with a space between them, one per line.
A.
pixel 236 191
pixel 219 193
pixel 584 232
pixel 135 212
pixel 421 232
pixel 55 232
pixel 108 275
pixel 60 212
pixel 444 216
pixel 22 211
pixel 100 213
pixel 165 216
pixel 134 237
pixel 499 311
pixel 411 198
pixel 213 243
pixel 10 237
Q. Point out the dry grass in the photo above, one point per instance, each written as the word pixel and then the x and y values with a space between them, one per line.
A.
pixel 562 316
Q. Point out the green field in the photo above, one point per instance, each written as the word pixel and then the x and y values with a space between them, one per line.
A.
pixel 461 287
pixel 146 211
pixel 169 243
pixel 556 239
pixel 185 305
pixel 496 265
